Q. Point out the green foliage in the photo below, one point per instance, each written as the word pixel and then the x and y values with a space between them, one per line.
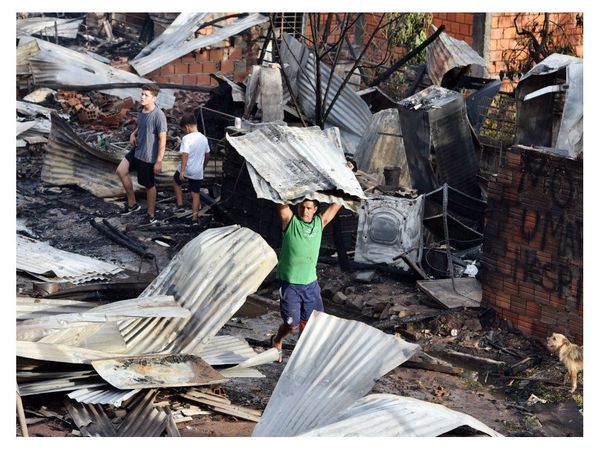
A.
pixel 408 30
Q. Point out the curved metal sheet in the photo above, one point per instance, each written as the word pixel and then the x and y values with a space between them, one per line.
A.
pixel 38 257
pixel 335 362
pixel 288 164
pixel 387 415
pixel 48 26
pixel 56 65
pixel 167 51
pixel 112 397
pixel 211 276
pixel 445 53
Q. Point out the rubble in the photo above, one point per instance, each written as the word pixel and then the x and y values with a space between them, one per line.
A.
pixel 417 328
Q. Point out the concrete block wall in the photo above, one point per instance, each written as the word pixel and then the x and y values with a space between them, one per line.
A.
pixel 533 245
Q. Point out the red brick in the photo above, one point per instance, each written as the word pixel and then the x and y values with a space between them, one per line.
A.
pixel 235 54
pixel 227 66
pixel 509 33
pixel 189 58
pixel 203 80
pixel 189 79
pixel 209 67
pixel 450 17
pixel 216 54
pixel 175 79
pixel 496 33
pixel 465 30
pixel 168 69
pixel 460 17
pixel 196 68
pixel 469 18
pixel 181 68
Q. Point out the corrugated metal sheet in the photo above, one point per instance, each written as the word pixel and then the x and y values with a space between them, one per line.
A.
pixel 386 415
pixel 445 53
pixel 91 420
pixel 46 382
pixel 244 369
pixel 388 227
pixel 156 371
pixel 288 164
pixel 224 350
pixel 211 276
pixel 112 397
pixel 168 50
pixel 70 160
pixel 144 420
pixel 382 146
pixel 158 306
pixel 335 362
pixel 176 33
pixel 53 64
pixel 59 352
pixel 22 127
pixel 39 258
pixel 31 109
pixel 350 113
pixel 48 26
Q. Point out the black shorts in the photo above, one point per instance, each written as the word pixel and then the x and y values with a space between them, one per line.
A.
pixel 144 170
pixel 194 185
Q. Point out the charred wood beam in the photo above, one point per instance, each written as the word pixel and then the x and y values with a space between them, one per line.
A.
pixel 391 323
pixel 122 239
pixel 384 76
pixel 383 268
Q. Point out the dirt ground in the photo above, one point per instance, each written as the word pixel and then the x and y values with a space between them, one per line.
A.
pixel 533 402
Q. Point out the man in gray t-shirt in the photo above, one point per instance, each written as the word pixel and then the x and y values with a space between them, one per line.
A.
pixel 149 141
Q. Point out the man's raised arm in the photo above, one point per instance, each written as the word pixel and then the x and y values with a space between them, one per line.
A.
pixel 330 213
pixel 285 214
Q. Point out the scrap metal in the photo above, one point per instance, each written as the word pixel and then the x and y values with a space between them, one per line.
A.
pixel 114 397
pixel 382 146
pixel 335 363
pixel 447 53
pixel 387 415
pixel 48 26
pixel 53 65
pixel 538 93
pixel 387 227
pixel 350 113
pixel 46 262
pixel 166 50
pixel 211 276
pixel 289 164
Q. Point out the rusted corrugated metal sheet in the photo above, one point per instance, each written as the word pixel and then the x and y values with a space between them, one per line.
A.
pixel 288 164
pixel 386 415
pixel 169 49
pixel 56 65
pixel 42 260
pixel 350 113
pixel 48 26
pixel 446 53
pixel 335 363
pixel 70 160
pixel 211 276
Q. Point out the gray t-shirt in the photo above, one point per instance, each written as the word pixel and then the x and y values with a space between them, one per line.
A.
pixel 148 127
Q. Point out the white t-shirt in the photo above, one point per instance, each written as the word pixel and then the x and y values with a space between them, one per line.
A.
pixel 196 145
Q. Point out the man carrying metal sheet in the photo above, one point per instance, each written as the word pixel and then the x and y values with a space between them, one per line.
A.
pixel 149 141
pixel 297 270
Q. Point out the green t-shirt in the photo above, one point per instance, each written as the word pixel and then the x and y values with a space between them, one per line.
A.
pixel 300 251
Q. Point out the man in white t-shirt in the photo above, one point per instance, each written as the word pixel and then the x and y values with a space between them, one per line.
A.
pixel 194 151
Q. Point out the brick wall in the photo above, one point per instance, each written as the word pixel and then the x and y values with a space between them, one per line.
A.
pixel 504 36
pixel 195 67
pixel 458 25
pixel 533 246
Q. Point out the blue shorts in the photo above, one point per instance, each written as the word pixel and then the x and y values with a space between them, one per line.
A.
pixel 298 301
